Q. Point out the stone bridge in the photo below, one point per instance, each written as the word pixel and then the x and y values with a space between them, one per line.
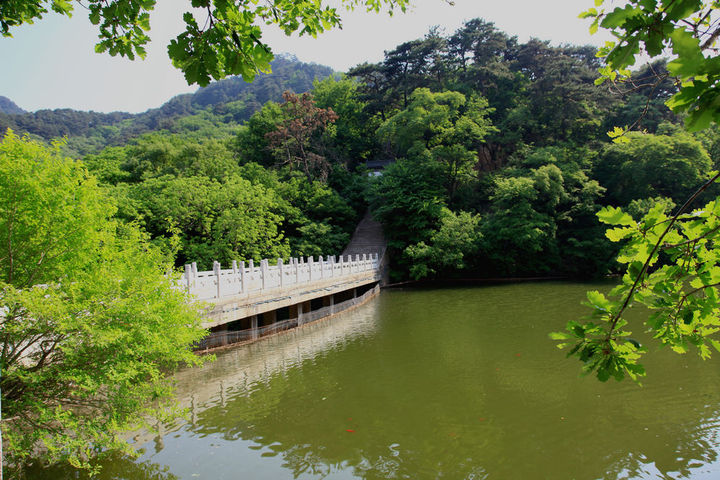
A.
pixel 247 301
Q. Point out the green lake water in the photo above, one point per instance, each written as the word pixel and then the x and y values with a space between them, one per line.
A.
pixel 447 383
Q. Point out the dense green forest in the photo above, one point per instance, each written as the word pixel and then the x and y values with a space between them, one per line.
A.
pixel 497 155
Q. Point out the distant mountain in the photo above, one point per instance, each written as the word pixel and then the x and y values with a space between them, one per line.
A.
pixel 228 95
pixel 8 106
pixel 287 74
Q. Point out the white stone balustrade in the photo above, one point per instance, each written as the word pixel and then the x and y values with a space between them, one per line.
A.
pixel 245 279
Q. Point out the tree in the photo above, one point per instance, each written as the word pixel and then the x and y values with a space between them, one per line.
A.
pixel 294 140
pixel 251 144
pixel 217 221
pixel 541 216
pixel 90 324
pixel 650 166
pixel 446 126
pixel 353 139
pixel 221 37
pixel 408 200
pixel 520 232
pixel 645 93
pixel 450 246
pixel 673 262
pixel 561 76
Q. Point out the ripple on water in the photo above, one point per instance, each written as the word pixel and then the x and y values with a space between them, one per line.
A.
pixel 456 383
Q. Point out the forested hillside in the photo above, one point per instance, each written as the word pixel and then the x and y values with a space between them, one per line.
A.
pixel 8 106
pixel 227 102
pixel 499 158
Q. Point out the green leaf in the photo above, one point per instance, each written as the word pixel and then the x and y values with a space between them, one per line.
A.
pixel 94 15
pixel 619 16
pixel 598 301
pixel 690 58
pixel 617 234
pixel 579 331
pixel 559 336
pixel 700 119
pixel 593 27
pixel 615 216
pixel 680 9
pixel 679 349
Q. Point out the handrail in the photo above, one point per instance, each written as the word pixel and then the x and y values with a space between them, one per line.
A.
pixel 242 279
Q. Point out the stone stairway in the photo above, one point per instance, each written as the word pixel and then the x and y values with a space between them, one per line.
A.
pixel 367 238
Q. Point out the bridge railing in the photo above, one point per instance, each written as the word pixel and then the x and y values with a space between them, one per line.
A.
pixel 244 279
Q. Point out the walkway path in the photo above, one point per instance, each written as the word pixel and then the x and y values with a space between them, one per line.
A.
pixel 367 238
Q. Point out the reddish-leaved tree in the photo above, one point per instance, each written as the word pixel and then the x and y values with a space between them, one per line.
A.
pixel 295 142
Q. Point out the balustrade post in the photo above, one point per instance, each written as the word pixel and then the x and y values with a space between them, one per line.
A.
pixel 310 267
pixel 243 285
pixel 188 273
pixel 280 270
pixel 322 265
pixel 332 266
pixel 263 272
pixel 234 274
pixel 216 270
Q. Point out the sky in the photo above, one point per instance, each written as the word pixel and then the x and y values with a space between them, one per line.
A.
pixel 52 64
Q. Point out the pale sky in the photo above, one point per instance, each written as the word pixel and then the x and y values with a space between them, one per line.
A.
pixel 52 63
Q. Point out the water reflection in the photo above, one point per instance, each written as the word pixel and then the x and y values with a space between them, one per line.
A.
pixel 115 466
pixel 437 396
pixel 447 383
pixel 236 371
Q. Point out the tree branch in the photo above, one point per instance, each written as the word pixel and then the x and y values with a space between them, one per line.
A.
pixel 656 247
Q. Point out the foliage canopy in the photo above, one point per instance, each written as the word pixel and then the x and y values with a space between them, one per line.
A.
pixel 90 324
pixel 673 262
pixel 689 28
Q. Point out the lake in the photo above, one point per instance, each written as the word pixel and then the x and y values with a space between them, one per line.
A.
pixel 442 383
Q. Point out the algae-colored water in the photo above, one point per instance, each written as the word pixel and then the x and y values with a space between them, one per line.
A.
pixel 448 383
